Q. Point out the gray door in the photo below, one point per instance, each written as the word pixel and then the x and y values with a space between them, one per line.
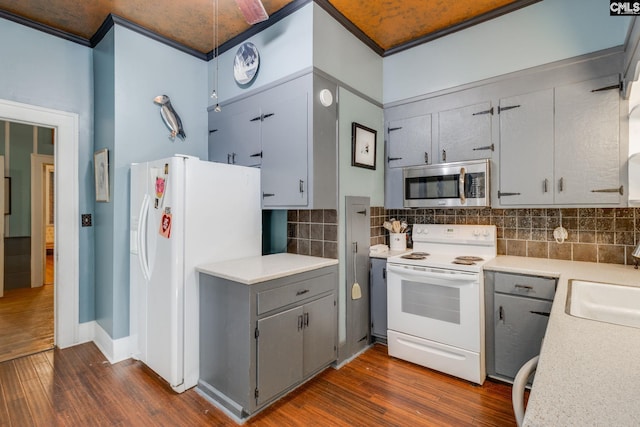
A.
pixel 320 320
pixel 519 330
pixel 279 353
pixel 379 297
pixel 357 260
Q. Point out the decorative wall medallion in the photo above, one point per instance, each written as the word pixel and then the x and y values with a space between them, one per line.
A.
pixel 246 63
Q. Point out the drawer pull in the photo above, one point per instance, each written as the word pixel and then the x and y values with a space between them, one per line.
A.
pixel 302 292
pixel 541 313
pixel 525 287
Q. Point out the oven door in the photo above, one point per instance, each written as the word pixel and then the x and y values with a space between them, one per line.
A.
pixel 435 304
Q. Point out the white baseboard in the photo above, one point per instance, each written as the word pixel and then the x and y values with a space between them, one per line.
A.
pixel 114 350
pixel 86 332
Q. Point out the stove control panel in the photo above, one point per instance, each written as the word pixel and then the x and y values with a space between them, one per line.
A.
pixel 455 233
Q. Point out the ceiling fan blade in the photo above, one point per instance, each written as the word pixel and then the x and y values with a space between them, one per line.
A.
pixel 253 11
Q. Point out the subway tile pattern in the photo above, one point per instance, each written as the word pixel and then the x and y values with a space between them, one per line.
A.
pixel 606 235
pixel 313 232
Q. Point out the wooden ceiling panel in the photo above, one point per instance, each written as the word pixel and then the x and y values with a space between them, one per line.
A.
pixel 388 23
pixel 391 23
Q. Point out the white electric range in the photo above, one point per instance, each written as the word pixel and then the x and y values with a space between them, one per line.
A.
pixel 435 299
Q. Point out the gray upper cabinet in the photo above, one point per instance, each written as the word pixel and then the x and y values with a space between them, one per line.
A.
pixel 409 142
pixel 286 132
pixel 284 152
pixel 465 133
pixel 233 137
pixel 561 146
pixel 587 146
pixel 526 149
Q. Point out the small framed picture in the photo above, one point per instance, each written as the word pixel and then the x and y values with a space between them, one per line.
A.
pixel 364 146
pixel 7 195
pixel 101 171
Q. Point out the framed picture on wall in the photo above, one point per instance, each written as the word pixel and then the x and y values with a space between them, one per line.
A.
pixel 101 172
pixel 363 141
pixel 7 195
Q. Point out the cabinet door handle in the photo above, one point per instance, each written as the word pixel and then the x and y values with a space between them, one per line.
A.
pixel 525 287
pixel 444 155
pixel 486 147
pixel 300 322
pixel 545 186
pixel 426 157
pixel 306 320
pixel 540 313
pixel 508 107
pixel 501 194
pixel 489 111
pixel 561 184
pixel 302 186
pixel 267 195
pixel 619 190
pixel 384 273
pixel 616 86
pixel 501 314
pixel 302 292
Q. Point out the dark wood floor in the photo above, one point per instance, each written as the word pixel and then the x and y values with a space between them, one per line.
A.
pixel 78 387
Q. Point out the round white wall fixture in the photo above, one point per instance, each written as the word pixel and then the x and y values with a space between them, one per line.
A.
pixel 326 97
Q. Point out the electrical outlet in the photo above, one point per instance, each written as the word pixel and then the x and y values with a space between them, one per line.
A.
pixel 86 220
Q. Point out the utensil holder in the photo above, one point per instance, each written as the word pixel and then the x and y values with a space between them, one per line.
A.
pixel 398 241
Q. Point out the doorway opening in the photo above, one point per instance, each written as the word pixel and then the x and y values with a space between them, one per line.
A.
pixel 28 273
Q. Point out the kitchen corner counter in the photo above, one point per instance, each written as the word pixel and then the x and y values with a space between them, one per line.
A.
pixel 589 371
pixel 258 269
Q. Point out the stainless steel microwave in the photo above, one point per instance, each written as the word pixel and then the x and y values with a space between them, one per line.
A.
pixel 459 184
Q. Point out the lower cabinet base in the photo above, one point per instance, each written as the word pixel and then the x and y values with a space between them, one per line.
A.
pixel 234 410
pixel 454 361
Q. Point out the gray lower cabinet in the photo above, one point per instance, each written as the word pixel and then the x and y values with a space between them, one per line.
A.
pixel 378 295
pixel 259 341
pixel 516 317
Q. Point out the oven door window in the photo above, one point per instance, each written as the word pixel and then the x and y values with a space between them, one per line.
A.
pixel 432 301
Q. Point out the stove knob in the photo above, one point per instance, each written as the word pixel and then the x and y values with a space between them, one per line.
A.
pixel 476 232
pixel 485 233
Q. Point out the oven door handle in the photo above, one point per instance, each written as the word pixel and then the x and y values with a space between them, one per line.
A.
pixel 463 278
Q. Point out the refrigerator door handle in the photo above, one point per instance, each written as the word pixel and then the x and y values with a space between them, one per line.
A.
pixel 142 237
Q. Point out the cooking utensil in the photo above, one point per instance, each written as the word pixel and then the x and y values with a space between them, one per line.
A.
pixel 403 226
pixel 387 225
pixel 395 225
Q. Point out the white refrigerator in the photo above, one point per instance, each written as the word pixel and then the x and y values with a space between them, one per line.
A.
pixel 184 212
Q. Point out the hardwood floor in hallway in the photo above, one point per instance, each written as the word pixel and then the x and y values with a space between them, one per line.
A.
pixel 26 319
pixel 78 387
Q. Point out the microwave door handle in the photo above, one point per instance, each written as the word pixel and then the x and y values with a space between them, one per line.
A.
pixel 463 198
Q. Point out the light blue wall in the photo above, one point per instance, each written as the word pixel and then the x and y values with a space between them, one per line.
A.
pixel 544 32
pixel 133 131
pixel 355 181
pixel 42 70
pixel 20 149
pixel 340 54
pixel 104 137
pixel 285 48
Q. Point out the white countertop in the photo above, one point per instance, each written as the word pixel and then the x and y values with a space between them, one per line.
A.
pixel 257 269
pixel 387 254
pixel 589 372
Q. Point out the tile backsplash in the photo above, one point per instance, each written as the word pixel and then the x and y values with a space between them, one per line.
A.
pixel 313 232
pixel 606 235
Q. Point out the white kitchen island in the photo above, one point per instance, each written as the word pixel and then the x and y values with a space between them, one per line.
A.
pixel 589 371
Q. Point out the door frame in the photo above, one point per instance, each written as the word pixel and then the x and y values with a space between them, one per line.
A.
pixel 38 228
pixel 66 252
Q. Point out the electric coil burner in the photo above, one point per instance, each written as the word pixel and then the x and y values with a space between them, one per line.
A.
pixel 434 301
